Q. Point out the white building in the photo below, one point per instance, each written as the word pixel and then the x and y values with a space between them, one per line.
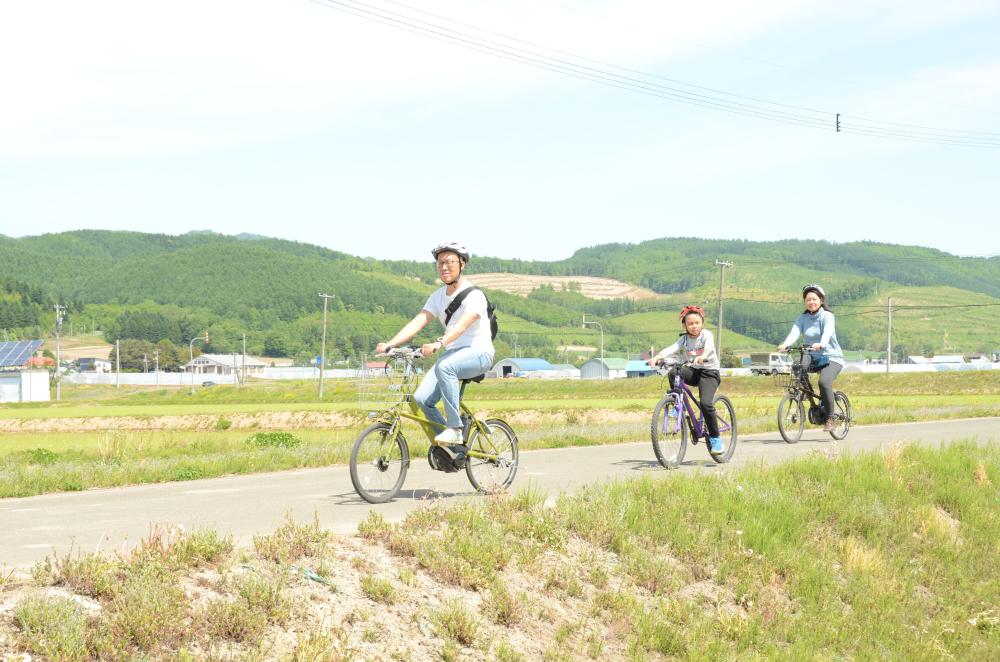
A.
pixel 93 364
pixel 18 383
pixel 224 364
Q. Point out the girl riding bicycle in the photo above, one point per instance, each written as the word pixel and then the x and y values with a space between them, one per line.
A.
pixel 698 345
pixel 467 344
pixel 817 327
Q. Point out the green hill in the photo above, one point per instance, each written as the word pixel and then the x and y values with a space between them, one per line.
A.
pixel 161 287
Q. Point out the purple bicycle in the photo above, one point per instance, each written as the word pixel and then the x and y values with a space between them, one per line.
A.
pixel 678 416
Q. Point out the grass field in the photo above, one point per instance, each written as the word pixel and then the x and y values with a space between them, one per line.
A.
pixel 95 398
pixel 207 436
pixel 874 556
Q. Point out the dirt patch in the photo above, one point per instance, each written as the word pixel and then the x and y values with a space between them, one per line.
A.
pixel 290 420
pixel 588 286
pixel 273 420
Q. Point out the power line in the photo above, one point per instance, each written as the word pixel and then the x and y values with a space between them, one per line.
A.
pixel 608 64
pixel 780 66
pixel 727 102
pixel 556 65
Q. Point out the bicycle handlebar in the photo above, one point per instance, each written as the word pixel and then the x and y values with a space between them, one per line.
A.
pixel 402 352
pixel 664 366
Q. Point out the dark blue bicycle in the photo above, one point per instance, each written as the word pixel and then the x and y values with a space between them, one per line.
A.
pixel 678 417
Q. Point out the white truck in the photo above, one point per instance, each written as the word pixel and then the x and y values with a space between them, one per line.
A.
pixel 770 363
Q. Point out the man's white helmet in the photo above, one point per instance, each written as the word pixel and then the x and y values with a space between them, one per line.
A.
pixel 454 247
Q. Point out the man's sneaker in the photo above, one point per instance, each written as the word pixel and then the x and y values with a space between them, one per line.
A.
pixel 715 446
pixel 449 436
pixel 830 425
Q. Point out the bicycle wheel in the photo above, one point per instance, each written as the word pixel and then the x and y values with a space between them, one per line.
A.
pixel 669 439
pixel 379 463
pixel 842 412
pixel 726 414
pixel 496 471
pixel 791 418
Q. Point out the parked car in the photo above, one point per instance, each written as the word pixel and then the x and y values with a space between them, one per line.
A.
pixel 770 363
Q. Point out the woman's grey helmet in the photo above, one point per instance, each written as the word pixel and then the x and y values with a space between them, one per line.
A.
pixel 814 288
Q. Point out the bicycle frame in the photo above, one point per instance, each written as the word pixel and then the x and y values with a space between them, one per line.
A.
pixel 393 415
pixel 689 402
pixel 803 388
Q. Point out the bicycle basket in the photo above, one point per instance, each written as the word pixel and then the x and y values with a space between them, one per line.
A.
pixel 790 379
pixel 383 384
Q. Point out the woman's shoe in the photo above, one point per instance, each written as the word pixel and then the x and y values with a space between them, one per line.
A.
pixel 830 425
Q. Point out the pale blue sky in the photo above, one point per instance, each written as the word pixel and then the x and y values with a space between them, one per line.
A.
pixel 295 120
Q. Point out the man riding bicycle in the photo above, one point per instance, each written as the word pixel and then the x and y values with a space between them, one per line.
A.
pixel 467 344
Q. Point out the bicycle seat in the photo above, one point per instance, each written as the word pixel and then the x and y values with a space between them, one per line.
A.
pixel 476 379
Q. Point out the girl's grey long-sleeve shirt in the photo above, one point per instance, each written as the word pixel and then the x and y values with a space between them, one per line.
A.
pixel 703 345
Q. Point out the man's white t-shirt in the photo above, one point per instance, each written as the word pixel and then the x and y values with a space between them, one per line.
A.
pixel 477 336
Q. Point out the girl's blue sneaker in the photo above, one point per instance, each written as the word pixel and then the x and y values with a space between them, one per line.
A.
pixel 715 446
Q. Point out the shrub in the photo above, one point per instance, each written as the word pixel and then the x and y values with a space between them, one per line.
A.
pixel 237 620
pixel 456 622
pixel 265 592
pixel 55 628
pixel 42 456
pixel 378 590
pixel 146 613
pixel 503 606
pixel 274 439
pixel 91 575
pixel 292 541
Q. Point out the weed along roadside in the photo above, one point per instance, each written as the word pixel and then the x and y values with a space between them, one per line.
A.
pixel 885 554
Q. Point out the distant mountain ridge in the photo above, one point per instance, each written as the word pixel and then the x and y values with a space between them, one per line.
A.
pixel 269 288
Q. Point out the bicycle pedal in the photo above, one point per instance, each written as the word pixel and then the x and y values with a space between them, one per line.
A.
pixel 454 451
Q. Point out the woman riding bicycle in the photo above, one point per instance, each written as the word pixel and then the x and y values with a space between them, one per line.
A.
pixel 467 344
pixel 817 327
pixel 698 345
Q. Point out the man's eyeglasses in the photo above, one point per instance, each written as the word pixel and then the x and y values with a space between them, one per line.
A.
pixel 447 264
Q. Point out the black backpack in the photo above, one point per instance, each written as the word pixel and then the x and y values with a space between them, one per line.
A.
pixel 490 310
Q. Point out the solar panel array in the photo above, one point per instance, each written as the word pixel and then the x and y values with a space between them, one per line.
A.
pixel 16 353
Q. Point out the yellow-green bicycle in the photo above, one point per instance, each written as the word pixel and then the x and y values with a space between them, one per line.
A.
pixel 381 455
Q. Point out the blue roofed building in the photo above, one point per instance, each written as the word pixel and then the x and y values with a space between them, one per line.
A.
pixel 638 369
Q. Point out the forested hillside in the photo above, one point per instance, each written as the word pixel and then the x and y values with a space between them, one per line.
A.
pixel 168 289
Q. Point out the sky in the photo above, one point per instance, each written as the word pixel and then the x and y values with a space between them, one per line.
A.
pixel 523 128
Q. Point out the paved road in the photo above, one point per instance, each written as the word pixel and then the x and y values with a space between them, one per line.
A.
pixel 107 519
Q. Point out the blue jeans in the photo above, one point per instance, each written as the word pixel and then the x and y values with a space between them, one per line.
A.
pixel 441 383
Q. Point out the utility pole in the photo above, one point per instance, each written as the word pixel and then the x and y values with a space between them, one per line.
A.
pixel 888 339
pixel 145 363
pixel 59 318
pixel 722 264
pixel 156 362
pixel 322 353
pixel 243 378
pixel 118 364
pixel 584 323
pixel 191 356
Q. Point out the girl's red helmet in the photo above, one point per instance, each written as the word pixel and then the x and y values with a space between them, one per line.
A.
pixel 686 310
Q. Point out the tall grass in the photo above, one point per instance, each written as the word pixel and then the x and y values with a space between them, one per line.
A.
pixel 862 557
pixel 882 555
